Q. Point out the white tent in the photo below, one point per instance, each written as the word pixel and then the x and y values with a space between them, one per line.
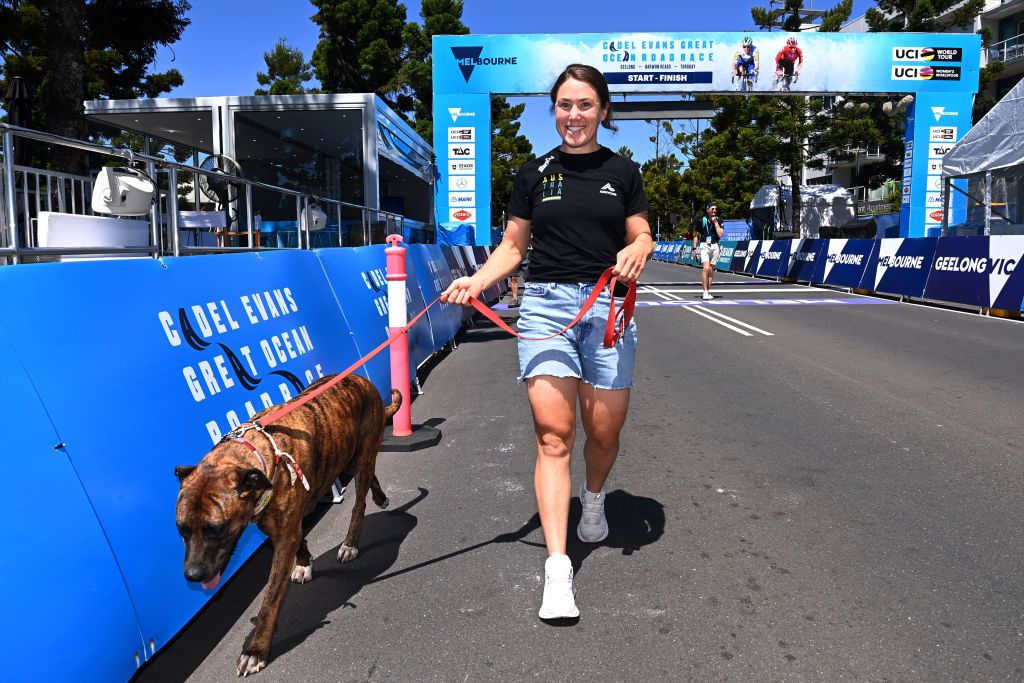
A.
pixel 997 141
pixel 991 158
pixel 827 206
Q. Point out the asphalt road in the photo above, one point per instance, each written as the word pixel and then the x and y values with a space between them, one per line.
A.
pixel 819 487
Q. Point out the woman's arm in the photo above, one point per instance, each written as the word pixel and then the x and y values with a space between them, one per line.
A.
pixel 502 262
pixel 630 262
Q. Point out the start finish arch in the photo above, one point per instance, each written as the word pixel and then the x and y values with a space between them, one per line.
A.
pixel 939 69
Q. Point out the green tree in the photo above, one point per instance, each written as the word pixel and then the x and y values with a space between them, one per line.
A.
pixel 287 71
pixel 69 51
pixel 793 16
pixel 360 47
pixel 415 78
pixel 509 151
pixel 937 16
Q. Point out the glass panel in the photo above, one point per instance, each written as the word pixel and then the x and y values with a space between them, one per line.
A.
pixel 317 152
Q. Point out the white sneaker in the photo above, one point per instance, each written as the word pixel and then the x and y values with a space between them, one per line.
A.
pixel 593 526
pixel 559 600
pixel 707 295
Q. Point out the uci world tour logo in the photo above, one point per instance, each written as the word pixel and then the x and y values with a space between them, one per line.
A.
pixel 468 58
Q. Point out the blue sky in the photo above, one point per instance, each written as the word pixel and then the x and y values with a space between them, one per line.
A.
pixel 222 49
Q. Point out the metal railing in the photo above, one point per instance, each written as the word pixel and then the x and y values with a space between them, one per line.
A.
pixel 1008 51
pixel 28 191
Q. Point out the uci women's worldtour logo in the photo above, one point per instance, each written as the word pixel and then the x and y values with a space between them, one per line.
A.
pixel 925 73
pixel 468 58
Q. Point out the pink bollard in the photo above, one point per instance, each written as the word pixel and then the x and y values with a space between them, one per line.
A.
pixel 399 349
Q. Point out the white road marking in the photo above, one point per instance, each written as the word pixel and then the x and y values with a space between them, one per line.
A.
pixel 731 290
pixel 712 315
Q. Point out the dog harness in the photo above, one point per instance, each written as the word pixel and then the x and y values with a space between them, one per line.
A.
pixel 294 471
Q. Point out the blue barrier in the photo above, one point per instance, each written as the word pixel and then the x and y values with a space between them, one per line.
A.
pixel 1006 281
pixel 170 363
pixel 728 248
pixel 433 277
pixel 421 337
pixel 753 255
pixel 774 258
pixel 960 271
pixel 842 262
pixel 804 258
pixel 57 567
pixel 899 266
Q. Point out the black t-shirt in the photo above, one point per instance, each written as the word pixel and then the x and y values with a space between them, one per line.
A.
pixel 578 205
pixel 708 230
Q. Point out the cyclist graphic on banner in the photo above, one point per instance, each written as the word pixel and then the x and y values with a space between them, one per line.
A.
pixel 788 63
pixel 746 65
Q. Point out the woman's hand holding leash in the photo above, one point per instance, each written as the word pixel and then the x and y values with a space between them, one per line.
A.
pixel 462 291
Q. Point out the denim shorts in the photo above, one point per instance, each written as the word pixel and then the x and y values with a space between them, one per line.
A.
pixel 548 307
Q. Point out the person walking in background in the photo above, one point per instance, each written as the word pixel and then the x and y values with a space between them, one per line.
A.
pixel 581 208
pixel 706 248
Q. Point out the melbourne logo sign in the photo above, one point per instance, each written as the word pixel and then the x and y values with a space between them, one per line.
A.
pixel 468 58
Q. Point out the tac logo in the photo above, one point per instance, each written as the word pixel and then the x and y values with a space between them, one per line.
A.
pixel 466 151
pixel 912 73
pixel 468 58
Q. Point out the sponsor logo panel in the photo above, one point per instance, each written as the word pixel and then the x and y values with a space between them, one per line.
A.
pixel 462 135
pixel 462 215
pixel 938 151
pixel 456 167
pixel 462 151
pixel 462 199
pixel 927 54
pixel 461 183
pixel 942 134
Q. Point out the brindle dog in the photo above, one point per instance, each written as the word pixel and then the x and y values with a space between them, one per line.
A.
pixel 339 431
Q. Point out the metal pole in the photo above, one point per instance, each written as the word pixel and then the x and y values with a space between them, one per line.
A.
pixel 944 230
pixel 248 213
pixel 298 220
pixel 988 203
pixel 9 196
pixel 172 210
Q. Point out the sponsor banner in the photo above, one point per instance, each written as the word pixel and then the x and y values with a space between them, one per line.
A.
pixel 1006 275
pixel 842 262
pixel 937 151
pixel 900 266
pixel 739 256
pixel 705 62
pixel 960 271
pixel 728 248
pixel 433 276
pixel 751 257
pixel 774 258
pixel 942 134
pixel 804 259
pixel 461 140
pixel 204 342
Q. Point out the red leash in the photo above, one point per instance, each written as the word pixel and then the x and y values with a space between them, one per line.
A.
pixel 618 323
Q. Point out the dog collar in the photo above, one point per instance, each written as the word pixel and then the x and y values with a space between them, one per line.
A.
pixel 294 471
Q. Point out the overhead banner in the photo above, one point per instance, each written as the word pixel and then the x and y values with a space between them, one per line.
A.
pixel 899 266
pixel 705 62
pixel 803 259
pixel 940 69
